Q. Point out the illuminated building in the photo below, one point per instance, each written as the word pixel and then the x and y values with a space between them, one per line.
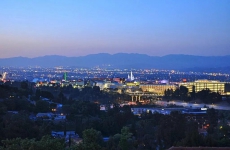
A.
pixel 131 76
pixel 119 80
pixel 108 85
pixel 157 88
pixel 199 85
pixel 65 76
pixel 131 84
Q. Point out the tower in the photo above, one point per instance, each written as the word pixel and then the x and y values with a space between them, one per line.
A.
pixel 65 76
pixel 131 76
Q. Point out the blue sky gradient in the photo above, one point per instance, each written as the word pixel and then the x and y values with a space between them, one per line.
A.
pixel 80 27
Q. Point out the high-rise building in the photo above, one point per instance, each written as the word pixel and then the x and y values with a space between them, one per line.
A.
pixel 65 76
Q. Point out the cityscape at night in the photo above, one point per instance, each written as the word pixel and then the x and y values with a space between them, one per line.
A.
pixel 56 73
pixel 115 75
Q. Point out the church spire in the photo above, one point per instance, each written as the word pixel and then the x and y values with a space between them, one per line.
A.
pixel 131 76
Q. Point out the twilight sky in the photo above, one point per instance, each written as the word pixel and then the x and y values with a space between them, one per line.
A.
pixel 33 28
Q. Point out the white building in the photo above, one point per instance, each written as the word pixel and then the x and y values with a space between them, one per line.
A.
pixel 131 76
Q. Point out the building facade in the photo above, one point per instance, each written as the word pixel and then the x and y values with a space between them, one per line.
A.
pixel 199 85
pixel 157 88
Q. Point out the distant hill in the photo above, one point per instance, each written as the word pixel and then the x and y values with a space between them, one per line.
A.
pixel 122 60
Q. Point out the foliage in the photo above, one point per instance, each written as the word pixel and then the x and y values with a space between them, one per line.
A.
pixel 125 142
pixel 45 94
pixel 46 143
pixel 126 131
pixel 18 125
pixel 42 106
pixel 92 140
pixel 192 137
pixel 209 97
pixel 180 93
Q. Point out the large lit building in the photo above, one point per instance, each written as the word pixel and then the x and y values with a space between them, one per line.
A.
pixel 108 85
pixel 157 88
pixel 199 85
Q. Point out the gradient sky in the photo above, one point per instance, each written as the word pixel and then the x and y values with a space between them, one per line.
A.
pixel 33 28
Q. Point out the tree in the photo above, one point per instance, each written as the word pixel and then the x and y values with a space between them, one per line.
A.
pixel 212 117
pixel 168 93
pixel 18 125
pixel 171 129
pixel 125 142
pixel 192 138
pixel 24 85
pixel 113 142
pixel 183 93
pixel 193 93
pixel 92 136
pixel 37 94
pixel 145 132
pixel 46 143
pixel 42 106
pixel 61 98
pixel 204 95
pixel 46 94
pixel 176 94
pixel 92 140
pixel 18 144
pixel 209 97
pixel 66 109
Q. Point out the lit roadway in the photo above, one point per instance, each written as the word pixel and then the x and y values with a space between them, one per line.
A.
pixel 221 106
pixel 3 76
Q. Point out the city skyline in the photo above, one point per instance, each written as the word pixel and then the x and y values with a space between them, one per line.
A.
pixel 79 28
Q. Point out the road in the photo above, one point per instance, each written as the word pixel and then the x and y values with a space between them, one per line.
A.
pixel 220 106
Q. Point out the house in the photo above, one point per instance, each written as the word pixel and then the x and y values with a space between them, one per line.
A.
pixel 13 112
pixel 45 115
pixel 68 135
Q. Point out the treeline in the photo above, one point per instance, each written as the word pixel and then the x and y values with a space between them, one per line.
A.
pixel 125 130
pixel 151 131
pixel 63 94
pixel 182 93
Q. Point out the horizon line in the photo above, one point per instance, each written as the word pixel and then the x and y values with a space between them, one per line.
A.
pixel 112 54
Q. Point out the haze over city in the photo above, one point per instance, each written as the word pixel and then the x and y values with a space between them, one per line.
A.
pixel 78 28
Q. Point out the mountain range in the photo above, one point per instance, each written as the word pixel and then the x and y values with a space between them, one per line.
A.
pixel 121 60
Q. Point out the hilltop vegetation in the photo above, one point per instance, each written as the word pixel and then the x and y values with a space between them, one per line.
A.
pixel 124 129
